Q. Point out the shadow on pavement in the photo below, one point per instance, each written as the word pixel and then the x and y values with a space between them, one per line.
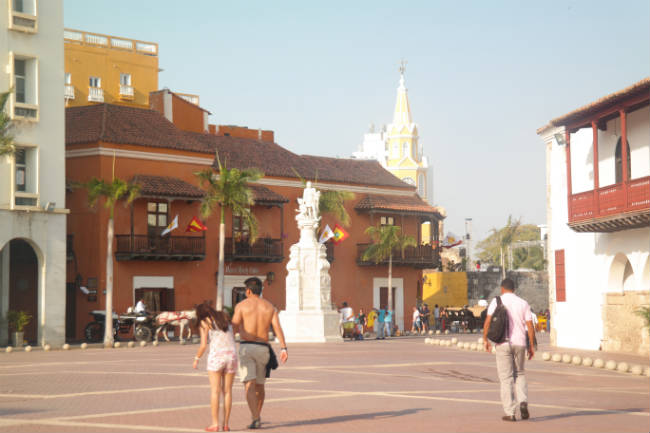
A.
pixel 345 418
pixel 582 413
pixel 8 411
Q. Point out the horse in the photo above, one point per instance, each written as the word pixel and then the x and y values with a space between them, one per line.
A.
pixel 166 319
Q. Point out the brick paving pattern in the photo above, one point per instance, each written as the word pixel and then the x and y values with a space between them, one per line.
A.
pixel 392 385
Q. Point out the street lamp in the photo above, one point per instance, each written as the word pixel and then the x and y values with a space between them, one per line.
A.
pixel 468 240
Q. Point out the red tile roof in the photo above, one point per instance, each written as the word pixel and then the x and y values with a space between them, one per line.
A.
pixel 143 127
pixel 407 204
pixel 262 194
pixel 640 88
pixel 164 186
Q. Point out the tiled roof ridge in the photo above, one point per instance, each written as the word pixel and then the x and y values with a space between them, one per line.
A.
pixel 603 101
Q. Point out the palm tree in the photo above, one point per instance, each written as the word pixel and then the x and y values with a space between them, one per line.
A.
pixel 7 146
pixel 333 202
pixel 111 192
pixel 385 240
pixel 506 237
pixel 229 190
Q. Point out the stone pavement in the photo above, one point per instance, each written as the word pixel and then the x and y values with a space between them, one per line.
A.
pixel 392 385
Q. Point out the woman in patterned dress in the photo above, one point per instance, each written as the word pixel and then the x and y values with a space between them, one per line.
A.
pixel 215 327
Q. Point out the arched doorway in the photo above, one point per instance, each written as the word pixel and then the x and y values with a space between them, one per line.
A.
pixel 23 284
pixel 621 276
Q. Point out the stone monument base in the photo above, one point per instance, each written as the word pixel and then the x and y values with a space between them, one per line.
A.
pixel 311 326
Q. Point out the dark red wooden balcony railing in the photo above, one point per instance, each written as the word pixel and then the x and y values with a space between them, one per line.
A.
pixel 262 250
pixel 421 256
pixel 610 200
pixel 144 247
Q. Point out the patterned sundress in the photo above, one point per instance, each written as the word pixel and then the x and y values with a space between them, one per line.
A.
pixel 223 353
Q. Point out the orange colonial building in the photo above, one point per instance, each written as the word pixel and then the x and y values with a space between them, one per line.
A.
pixel 102 68
pixel 176 271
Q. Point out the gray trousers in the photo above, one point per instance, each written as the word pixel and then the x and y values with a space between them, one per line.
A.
pixel 510 367
pixel 380 330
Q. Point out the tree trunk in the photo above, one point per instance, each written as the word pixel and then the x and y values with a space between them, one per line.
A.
pixel 222 241
pixel 503 265
pixel 108 328
pixel 390 288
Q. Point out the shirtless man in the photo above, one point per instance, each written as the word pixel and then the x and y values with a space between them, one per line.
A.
pixel 252 319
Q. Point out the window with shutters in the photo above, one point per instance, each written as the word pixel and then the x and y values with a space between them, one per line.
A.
pixel 560 279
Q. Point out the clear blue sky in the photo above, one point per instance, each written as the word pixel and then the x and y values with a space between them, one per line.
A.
pixel 482 77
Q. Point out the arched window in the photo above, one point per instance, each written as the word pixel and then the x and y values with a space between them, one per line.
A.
pixel 405 149
pixel 619 161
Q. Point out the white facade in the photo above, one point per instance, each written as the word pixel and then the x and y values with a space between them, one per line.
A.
pixel 596 264
pixel 32 181
pixel 373 146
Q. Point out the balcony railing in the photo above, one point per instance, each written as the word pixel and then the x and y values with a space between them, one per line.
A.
pixel 126 92
pixel 421 256
pixel 143 247
pixel 610 200
pixel 95 39
pixel 95 94
pixel 262 250
pixel 68 93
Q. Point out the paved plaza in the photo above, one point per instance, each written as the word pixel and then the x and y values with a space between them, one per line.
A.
pixel 392 385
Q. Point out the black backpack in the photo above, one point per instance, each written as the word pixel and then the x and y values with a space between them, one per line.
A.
pixel 498 331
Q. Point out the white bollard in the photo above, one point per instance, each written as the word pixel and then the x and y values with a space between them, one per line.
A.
pixel 66 346
pixel 599 363
pixel 117 345
pixel 143 343
pixel 28 348
pixel 610 365
pixel 459 345
pixel 576 360
pixel 623 367
pixel 454 340
pixel 587 362
pixel 466 346
pixel 131 344
pixel 446 331
pixel 155 343
pixel 438 332
pixel 546 356
pixel 566 358
pixel 472 346
pixel 47 347
pixel 556 357
pixel 480 340
pixel 9 349
pixel 430 332
pixel 636 369
pixel 84 346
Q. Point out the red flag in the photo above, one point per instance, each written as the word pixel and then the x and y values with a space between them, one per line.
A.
pixel 339 234
pixel 195 226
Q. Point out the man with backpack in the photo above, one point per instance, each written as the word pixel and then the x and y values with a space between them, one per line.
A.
pixel 509 324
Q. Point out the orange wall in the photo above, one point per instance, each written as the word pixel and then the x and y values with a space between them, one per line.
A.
pixel 242 132
pixel 84 61
pixel 194 281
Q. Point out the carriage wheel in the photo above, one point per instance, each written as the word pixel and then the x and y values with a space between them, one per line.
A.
pixel 143 333
pixel 94 332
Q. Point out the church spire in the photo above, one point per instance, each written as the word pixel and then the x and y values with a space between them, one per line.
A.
pixel 402 114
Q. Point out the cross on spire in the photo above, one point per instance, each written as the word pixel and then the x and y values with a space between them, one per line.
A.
pixel 402 66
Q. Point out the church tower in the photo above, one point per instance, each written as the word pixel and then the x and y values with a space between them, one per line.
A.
pixel 404 156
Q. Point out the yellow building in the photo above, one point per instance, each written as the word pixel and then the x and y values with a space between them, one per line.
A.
pixel 404 156
pixel 101 68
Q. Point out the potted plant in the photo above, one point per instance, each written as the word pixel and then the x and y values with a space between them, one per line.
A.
pixel 17 321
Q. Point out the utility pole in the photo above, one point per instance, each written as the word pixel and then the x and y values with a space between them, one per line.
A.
pixel 468 244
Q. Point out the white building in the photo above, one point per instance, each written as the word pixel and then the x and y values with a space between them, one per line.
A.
pixel 598 216
pixel 32 180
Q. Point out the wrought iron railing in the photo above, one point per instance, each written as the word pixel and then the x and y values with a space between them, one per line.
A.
pixel 262 250
pixel 144 247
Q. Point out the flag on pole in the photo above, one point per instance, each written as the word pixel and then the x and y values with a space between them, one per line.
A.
pixel 451 240
pixel 195 226
pixel 339 234
pixel 173 225
pixel 326 235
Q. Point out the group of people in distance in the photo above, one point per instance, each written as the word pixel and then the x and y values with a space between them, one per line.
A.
pixel 378 321
pixel 254 359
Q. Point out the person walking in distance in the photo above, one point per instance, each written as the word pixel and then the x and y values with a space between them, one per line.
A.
pixel 252 318
pixel 215 328
pixel 511 352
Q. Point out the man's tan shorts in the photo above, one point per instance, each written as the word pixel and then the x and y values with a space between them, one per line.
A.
pixel 252 362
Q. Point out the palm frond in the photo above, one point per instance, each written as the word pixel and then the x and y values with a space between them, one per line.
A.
pixel 7 144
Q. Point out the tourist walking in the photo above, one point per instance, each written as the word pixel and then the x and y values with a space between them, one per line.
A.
pixel 436 317
pixel 252 318
pixel 425 313
pixel 416 326
pixel 511 352
pixel 381 318
pixel 215 328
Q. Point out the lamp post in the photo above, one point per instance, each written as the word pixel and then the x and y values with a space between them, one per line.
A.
pixel 468 240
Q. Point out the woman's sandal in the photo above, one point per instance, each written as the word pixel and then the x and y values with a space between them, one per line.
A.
pixel 226 428
pixel 255 424
pixel 213 428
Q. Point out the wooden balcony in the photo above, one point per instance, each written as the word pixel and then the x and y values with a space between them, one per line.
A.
pixel 611 208
pixel 143 247
pixel 421 256
pixel 262 250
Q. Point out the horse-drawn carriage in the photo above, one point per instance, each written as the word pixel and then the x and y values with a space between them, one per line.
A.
pixel 143 326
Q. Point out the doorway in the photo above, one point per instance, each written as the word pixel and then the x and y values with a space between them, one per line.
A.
pixel 23 285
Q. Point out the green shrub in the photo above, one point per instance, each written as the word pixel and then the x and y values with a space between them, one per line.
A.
pixel 18 320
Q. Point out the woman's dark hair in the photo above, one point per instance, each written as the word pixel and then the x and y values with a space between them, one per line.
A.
pixel 217 319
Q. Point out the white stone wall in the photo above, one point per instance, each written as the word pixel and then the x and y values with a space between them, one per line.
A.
pixel 45 231
pixel 592 260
